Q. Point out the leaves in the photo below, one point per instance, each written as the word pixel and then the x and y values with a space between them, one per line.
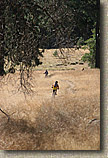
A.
pixel 31 25
pixel 91 44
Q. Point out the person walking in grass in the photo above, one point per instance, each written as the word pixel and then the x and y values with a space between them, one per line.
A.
pixel 55 87
pixel 46 73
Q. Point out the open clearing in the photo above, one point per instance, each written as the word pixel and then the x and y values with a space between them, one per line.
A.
pixel 71 121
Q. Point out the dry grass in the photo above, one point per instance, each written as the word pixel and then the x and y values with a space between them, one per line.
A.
pixel 40 122
pixel 64 61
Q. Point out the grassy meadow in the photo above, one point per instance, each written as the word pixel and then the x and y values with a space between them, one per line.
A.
pixel 71 121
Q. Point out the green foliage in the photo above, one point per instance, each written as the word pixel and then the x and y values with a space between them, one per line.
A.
pixel 31 25
pixel 85 15
pixel 23 33
pixel 88 57
pixel 91 44
pixel 80 42
pixel 55 53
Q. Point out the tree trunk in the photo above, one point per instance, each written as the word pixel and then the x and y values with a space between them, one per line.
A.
pixel 98 37
pixel 2 24
pixel 2 71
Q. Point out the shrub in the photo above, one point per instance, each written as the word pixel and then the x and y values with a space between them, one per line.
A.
pixel 80 42
pixel 55 53
pixel 91 45
pixel 88 57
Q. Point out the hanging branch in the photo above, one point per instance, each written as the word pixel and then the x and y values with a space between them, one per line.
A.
pixel 5 113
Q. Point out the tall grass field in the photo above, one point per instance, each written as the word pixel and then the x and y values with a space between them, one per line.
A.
pixel 70 121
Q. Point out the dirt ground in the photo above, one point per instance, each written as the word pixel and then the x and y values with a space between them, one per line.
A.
pixel 71 121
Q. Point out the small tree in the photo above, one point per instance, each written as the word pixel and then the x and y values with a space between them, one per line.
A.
pixel 91 45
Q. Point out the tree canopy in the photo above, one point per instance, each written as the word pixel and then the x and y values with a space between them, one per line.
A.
pixel 28 27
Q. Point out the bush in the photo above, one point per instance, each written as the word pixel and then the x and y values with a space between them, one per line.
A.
pixel 91 44
pixel 80 42
pixel 55 53
pixel 88 57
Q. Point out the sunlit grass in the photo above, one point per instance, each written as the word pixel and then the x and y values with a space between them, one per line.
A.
pixel 39 122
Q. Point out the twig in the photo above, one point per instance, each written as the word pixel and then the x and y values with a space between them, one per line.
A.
pixel 5 113
pixel 92 120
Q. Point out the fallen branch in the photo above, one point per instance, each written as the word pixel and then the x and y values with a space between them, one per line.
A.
pixel 92 120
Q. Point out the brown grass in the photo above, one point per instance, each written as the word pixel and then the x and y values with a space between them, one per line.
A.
pixel 64 61
pixel 39 122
